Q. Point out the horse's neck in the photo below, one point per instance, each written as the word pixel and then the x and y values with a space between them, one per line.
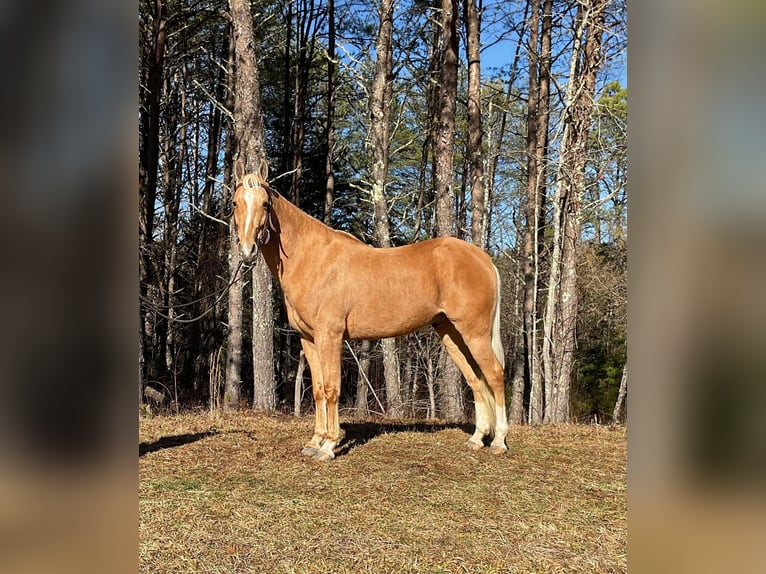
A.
pixel 297 236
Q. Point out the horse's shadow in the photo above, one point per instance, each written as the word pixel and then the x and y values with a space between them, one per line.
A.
pixel 360 433
pixel 172 441
pixel 355 434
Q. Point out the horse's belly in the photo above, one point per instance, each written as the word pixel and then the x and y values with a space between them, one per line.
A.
pixel 387 320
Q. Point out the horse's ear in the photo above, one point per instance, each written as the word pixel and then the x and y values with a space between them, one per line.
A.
pixel 239 170
pixel 264 169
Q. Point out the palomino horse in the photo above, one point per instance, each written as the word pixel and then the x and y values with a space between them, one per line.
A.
pixel 337 288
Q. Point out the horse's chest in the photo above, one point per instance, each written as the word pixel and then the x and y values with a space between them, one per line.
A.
pixel 297 322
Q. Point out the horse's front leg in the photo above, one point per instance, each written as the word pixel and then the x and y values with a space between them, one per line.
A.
pixel 328 347
pixel 320 403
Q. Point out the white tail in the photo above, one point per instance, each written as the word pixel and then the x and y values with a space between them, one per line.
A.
pixel 497 343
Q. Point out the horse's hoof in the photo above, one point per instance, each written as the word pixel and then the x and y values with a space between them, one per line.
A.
pixel 494 449
pixel 323 456
pixel 309 450
pixel 474 445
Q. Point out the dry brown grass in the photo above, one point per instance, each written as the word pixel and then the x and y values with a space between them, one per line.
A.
pixel 233 495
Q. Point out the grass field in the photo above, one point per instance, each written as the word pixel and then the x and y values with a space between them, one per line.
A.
pixel 233 495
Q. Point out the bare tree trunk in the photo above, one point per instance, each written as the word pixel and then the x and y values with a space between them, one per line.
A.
pixel 561 309
pixel 233 376
pixel 451 392
pixel 516 415
pixel 287 115
pixel 264 383
pixel 553 327
pixel 445 136
pixel 380 111
pixel 617 414
pixel 173 160
pixel 430 379
pixel 408 385
pixel 306 23
pixel 232 388
pixel 541 146
pixel 475 152
pixel 531 231
pixel 298 391
pixel 329 172
pixel 207 257
pixel 423 221
pixel 361 407
pixel 148 163
pixel 249 135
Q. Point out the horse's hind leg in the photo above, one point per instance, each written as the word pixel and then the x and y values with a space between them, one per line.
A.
pixel 482 352
pixel 320 403
pixel 459 353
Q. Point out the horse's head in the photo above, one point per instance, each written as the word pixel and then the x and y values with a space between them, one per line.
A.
pixel 252 211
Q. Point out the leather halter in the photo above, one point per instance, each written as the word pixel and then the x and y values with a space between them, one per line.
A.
pixel 264 236
pixel 268 226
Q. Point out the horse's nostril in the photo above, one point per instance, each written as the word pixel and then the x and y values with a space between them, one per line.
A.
pixel 247 253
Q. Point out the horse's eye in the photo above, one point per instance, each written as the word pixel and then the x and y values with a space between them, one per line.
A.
pixel 266 205
pixel 234 204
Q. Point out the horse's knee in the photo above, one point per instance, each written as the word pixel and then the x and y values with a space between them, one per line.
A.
pixel 331 395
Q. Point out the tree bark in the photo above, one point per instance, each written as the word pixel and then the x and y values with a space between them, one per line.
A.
pixel 617 414
pixel 361 406
pixel 207 256
pixel 532 228
pixel 445 136
pixel 298 389
pixel 148 164
pixel 287 116
pixel 380 112
pixel 233 375
pixel 306 16
pixel 232 386
pixel 516 414
pixel 475 152
pixel 562 301
pixel 249 135
pixel 329 172
pixel 450 392
pixel 423 218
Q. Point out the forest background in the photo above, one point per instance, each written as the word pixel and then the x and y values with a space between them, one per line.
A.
pixel 501 123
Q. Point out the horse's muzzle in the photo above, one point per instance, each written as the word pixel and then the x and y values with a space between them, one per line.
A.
pixel 248 255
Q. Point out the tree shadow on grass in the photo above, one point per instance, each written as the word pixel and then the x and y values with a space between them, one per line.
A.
pixel 172 441
pixel 359 433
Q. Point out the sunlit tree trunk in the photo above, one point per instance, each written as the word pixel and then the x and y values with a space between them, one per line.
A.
pixel 450 392
pixel 562 301
pixel 617 414
pixel 249 135
pixel 532 227
pixel 330 129
pixel 445 133
pixel 423 218
pixel 475 151
pixel 361 407
pixel 298 387
pixel 380 112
